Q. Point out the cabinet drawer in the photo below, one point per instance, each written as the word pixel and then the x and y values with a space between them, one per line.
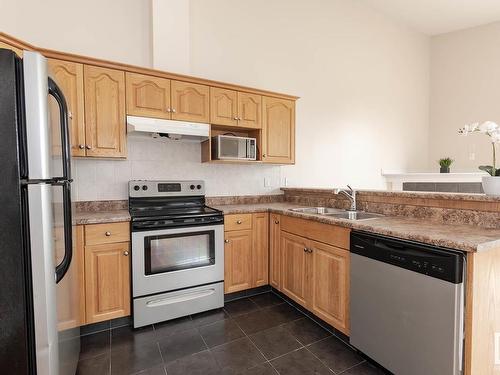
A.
pixel 327 233
pixel 237 222
pixel 106 233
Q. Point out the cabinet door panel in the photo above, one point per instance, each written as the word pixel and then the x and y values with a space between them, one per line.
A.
pixel 274 252
pixel 295 268
pixel 250 110
pixel 105 111
pixel 278 130
pixel 148 96
pixel 223 107
pixel 260 251
pixel 330 275
pixel 190 102
pixel 69 78
pixel 237 261
pixel 71 289
pixel 107 281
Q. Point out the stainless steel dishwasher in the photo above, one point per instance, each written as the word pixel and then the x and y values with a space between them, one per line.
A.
pixel 407 305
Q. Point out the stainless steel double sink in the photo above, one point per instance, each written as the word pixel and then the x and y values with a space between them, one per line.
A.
pixel 337 213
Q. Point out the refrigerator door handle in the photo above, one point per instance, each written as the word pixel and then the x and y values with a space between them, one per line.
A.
pixel 63 267
pixel 56 92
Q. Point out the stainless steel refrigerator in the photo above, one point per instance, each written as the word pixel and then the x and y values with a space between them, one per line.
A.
pixel 36 228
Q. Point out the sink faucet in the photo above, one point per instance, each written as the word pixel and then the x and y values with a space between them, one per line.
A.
pixel 350 194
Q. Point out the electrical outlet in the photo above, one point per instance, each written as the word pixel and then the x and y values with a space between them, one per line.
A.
pixel 472 155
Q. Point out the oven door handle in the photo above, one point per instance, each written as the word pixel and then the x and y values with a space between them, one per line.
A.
pixel 180 298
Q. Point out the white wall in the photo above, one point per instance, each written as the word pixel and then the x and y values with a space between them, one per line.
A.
pixel 363 80
pixel 118 30
pixel 465 88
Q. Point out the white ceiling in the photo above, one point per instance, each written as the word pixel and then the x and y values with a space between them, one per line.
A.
pixel 434 17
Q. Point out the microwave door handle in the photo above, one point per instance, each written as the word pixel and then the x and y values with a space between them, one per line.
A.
pixel 56 92
pixel 62 268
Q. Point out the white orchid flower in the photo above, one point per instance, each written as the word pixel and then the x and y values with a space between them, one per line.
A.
pixel 469 128
pixel 488 127
pixel 495 136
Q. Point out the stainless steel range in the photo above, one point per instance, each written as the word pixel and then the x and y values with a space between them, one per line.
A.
pixel 177 251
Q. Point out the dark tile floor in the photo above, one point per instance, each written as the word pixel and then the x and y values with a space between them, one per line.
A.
pixel 259 335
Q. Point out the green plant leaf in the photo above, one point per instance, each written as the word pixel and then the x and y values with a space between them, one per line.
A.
pixel 489 169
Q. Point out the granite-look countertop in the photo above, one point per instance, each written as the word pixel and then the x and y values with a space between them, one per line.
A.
pixel 99 217
pixel 461 237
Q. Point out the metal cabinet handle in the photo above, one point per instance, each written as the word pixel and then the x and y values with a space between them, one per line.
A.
pixel 81 147
pixel 263 155
pixel 169 109
pixel 174 110
pixel 107 234
pixel 226 241
pixel 305 250
pixel 239 222
pixel 125 253
pixel 276 221
pixel 70 114
pixel 309 251
pixel 88 147
pixel 236 118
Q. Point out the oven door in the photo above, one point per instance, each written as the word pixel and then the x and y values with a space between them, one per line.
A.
pixel 170 259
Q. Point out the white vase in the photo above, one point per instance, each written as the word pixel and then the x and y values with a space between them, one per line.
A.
pixel 491 185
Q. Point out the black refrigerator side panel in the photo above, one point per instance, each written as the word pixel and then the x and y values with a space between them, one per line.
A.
pixel 17 343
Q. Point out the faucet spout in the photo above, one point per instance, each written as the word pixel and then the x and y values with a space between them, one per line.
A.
pixel 350 194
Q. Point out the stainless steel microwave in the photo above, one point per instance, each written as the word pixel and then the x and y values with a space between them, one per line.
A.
pixel 229 147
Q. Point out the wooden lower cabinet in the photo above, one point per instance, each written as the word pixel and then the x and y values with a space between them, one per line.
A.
pixel 295 268
pixel 274 251
pixel 237 261
pixel 329 298
pixel 260 251
pixel 107 281
pixel 316 275
pixel 246 251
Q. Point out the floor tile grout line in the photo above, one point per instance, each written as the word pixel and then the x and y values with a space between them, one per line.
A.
pixel 349 368
pixel 322 362
pixel 162 359
pixel 110 352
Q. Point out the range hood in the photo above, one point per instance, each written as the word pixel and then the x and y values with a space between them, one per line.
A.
pixel 177 130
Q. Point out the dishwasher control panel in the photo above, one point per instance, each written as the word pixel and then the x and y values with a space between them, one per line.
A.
pixel 429 260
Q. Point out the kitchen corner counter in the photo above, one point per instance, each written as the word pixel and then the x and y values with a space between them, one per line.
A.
pixel 99 217
pixel 463 237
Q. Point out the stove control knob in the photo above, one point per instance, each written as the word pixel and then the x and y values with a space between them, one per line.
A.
pixel 136 187
pixel 192 187
pixel 198 187
pixel 144 187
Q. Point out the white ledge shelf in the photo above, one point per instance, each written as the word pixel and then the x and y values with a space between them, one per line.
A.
pixel 395 180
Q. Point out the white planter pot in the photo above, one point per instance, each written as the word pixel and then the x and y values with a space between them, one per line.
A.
pixel 491 185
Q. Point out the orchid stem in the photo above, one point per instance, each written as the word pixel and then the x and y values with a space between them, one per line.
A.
pixel 494 169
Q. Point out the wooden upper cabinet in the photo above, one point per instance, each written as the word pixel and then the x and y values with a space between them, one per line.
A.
pixel 330 289
pixel 190 102
pixel 18 51
pixel 148 96
pixel 278 130
pixel 223 106
pixel 69 78
pixel 107 281
pixel 260 251
pixel 295 268
pixel 237 260
pixel 249 110
pixel 105 112
pixel 274 251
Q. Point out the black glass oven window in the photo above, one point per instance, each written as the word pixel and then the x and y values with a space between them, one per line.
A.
pixel 180 251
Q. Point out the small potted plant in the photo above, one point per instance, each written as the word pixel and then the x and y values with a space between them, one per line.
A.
pixel 445 164
pixel 491 183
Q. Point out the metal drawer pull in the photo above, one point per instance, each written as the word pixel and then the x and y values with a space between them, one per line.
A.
pixel 125 253
pixel 226 241
pixel 107 234
pixel 81 147
pixel 276 222
pixel 305 250
pixel 182 298
pixel 239 222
